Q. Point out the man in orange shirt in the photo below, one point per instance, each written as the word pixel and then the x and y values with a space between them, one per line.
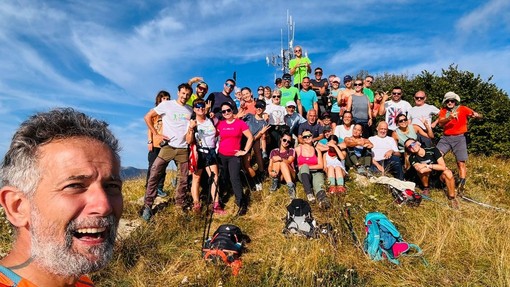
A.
pixel 61 191
pixel 453 117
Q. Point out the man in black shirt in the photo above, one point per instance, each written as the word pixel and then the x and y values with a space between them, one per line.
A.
pixel 429 162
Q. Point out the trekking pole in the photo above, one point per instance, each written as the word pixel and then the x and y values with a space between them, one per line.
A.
pixel 348 222
pixel 209 211
pixel 426 197
pixel 468 199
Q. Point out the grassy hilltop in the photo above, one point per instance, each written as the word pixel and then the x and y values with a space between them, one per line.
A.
pixel 466 247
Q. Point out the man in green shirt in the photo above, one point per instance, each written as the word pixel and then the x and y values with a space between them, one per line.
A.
pixel 290 93
pixel 299 66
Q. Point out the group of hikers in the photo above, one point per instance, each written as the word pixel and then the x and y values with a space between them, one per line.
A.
pixel 303 129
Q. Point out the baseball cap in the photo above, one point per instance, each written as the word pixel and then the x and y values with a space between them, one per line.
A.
pixel 290 103
pixel 326 115
pixel 347 78
pixel 336 79
pixel 286 76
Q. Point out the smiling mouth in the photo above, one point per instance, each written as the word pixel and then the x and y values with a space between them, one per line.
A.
pixel 90 233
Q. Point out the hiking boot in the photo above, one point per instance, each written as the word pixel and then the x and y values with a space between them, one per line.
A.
pixel 310 198
pixel 161 193
pixel 197 207
pixel 264 154
pixel 258 187
pixel 454 203
pixel 242 210
pixel 274 184
pixel 362 170
pixel 426 191
pixel 323 199
pixel 325 203
pixel 291 189
pixel 146 213
pixel 341 189
pixel 462 186
pixel 217 209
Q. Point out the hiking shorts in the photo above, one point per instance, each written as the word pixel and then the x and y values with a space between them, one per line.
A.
pixel 206 157
pixel 457 144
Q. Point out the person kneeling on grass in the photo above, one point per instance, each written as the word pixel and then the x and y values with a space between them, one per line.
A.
pixel 334 166
pixel 429 163
pixel 281 165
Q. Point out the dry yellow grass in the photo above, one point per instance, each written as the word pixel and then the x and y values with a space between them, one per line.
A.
pixel 468 247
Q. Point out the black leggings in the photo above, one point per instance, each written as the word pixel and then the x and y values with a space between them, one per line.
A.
pixel 231 166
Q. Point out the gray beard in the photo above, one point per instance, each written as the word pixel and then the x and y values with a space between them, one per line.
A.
pixel 57 255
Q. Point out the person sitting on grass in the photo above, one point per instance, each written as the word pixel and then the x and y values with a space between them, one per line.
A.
pixel 281 165
pixel 334 165
pixel 310 169
pixel 358 151
pixel 429 164
pixel 386 155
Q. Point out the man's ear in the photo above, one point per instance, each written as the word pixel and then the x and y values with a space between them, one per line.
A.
pixel 16 206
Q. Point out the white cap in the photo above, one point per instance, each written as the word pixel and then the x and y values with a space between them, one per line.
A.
pixel 291 103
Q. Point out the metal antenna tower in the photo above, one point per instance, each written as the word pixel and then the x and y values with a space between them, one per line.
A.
pixel 281 61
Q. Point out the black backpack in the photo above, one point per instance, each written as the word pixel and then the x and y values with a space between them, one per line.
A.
pixel 299 219
pixel 226 245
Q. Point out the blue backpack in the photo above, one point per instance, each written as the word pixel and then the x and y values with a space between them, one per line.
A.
pixel 383 239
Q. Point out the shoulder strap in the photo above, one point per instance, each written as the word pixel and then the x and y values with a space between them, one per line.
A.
pixel 15 278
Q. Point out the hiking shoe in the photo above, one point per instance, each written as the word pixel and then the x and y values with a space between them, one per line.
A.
pixel 242 210
pixel 310 198
pixel 274 185
pixel 258 187
pixel 426 191
pixel 332 189
pixel 264 154
pixel 454 203
pixel 325 203
pixel 362 170
pixel 161 193
pixel 291 189
pixel 341 189
pixel 147 213
pixel 462 186
pixel 217 209
pixel 197 207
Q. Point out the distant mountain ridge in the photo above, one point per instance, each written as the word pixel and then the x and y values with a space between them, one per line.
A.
pixel 132 173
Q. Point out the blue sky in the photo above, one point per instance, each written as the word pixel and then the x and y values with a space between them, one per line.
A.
pixel 110 58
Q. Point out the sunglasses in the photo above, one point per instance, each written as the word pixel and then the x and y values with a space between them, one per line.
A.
pixel 402 121
pixel 450 101
pixel 393 93
pixel 412 145
pixel 229 85
pixel 259 107
pixel 307 136
pixel 286 141
pixel 276 97
pixel 318 72
pixel 419 98
pixel 200 106
pixel 201 88
pixel 291 107
pixel 227 111
pixel 368 81
pixel 295 51
pixel 358 84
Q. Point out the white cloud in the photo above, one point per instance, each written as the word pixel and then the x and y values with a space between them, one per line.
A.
pixel 493 14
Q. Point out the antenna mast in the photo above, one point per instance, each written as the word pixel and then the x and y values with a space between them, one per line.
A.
pixel 281 61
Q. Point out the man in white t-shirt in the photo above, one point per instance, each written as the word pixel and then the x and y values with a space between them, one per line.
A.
pixel 393 108
pixel 386 156
pixel 176 115
pixel 421 110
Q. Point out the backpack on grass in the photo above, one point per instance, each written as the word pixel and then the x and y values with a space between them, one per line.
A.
pixel 299 219
pixel 406 196
pixel 383 239
pixel 225 246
